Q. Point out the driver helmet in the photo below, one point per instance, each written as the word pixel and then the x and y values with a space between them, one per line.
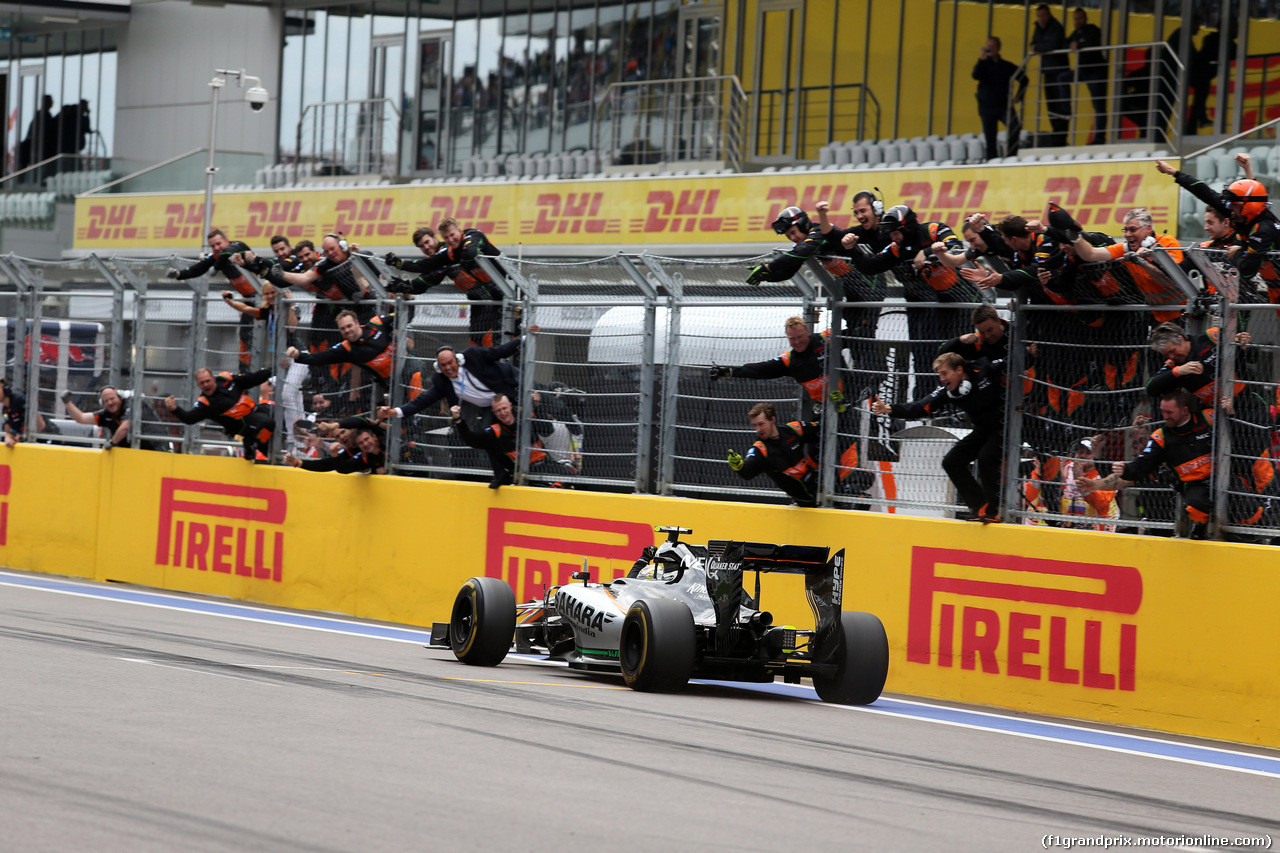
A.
pixel 897 218
pixel 1252 193
pixel 791 216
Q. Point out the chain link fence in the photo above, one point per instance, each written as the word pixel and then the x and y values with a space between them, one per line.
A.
pixel 644 368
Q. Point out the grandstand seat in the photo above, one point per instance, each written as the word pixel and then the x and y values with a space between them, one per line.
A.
pixel 827 153
pixel 892 151
pixel 922 150
pixel 769 169
pixel 976 150
pixel 939 149
pixel 469 168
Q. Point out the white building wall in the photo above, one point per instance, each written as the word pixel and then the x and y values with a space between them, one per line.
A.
pixel 168 54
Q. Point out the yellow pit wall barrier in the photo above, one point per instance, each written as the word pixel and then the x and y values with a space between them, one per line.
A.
pixel 1171 635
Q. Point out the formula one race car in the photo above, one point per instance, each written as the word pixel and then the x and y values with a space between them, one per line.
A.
pixel 682 612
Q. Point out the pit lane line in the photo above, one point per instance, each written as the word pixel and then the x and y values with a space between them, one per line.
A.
pixel 1066 733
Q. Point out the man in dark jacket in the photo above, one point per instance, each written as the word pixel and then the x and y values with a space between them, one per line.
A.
pixel 456 259
pixel 470 379
pixel 993 73
pixel 1091 69
pixel 782 453
pixel 977 389
pixel 1049 36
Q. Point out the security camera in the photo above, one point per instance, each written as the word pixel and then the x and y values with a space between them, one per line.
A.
pixel 257 98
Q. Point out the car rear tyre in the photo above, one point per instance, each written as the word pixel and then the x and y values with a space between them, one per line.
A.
pixel 658 645
pixel 483 623
pixel 862 660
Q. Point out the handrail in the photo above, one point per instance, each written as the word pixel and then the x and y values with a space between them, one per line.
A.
pixel 1017 92
pixel 728 141
pixel 144 171
pixel 1231 139
pixel 348 102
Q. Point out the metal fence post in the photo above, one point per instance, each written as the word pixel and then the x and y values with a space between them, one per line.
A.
pixel 137 354
pixel 1226 386
pixel 648 372
pixel 674 286
pixel 18 331
pixel 528 356
pixel 404 313
pixel 34 338
pixel 1013 412
pixel 199 345
pixel 829 422
pixel 114 369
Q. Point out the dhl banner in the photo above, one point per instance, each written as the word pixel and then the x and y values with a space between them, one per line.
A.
pixel 623 211
pixel 1165 634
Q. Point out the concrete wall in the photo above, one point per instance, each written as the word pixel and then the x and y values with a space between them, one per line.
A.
pixel 168 54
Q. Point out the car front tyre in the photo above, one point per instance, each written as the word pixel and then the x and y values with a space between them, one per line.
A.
pixel 862 660
pixel 483 623
pixel 658 645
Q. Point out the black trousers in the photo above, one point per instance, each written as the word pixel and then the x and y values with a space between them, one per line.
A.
pixel 986 445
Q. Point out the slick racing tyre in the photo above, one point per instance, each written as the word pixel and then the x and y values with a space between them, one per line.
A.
pixel 862 660
pixel 483 622
pixel 658 645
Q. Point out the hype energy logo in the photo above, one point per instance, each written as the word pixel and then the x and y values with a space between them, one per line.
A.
pixel 1017 617
pixel 533 551
pixel 6 482
pixel 216 527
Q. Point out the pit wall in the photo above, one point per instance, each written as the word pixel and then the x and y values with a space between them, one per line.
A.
pixel 1175 636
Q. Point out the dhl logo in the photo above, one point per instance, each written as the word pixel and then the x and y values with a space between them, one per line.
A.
pixel 950 202
pixel 278 217
pixel 6 481
pixel 369 217
pixel 111 222
pixel 1103 201
pixel 569 213
pixel 534 551
pixel 219 527
pixel 690 210
pixel 806 198
pixel 472 211
pixel 949 587
pixel 182 222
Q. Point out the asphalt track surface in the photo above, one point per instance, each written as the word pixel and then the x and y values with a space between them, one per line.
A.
pixel 148 722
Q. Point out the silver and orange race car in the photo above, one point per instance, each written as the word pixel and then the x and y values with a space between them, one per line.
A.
pixel 682 612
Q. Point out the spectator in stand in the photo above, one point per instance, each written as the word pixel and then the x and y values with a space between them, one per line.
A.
pixel 470 380
pixel 1091 69
pixel 223 400
pixel 783 454
pixel 1049 36
pixel 994 74
pixel 977 389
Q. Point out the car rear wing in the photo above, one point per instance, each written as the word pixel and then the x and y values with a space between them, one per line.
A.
pixel 823 580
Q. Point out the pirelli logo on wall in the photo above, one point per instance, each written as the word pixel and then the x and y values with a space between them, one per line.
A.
pixel 533 551
pixel 216 527
pixel 1017 617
